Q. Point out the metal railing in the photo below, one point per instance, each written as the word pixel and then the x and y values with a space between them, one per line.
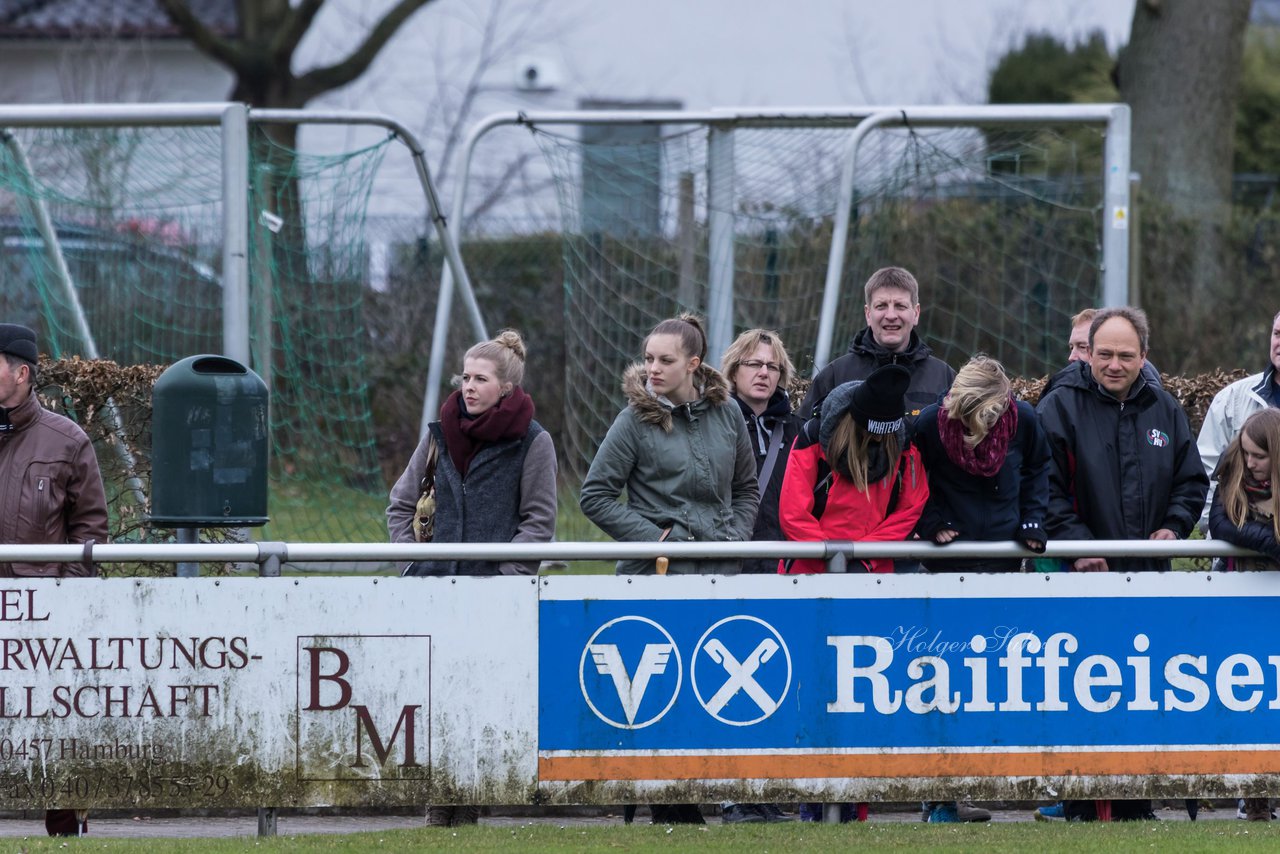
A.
pixel 270 555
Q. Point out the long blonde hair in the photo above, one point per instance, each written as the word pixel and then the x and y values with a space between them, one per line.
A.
pixel 978 397
pixel 848 449
pixel 1263 429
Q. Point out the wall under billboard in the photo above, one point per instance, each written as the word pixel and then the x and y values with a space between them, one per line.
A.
pixel 308 692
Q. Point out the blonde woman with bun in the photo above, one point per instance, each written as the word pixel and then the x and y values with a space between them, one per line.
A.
pixel 495 477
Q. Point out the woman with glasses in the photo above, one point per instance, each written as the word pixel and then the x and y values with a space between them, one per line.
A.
pixel 759 371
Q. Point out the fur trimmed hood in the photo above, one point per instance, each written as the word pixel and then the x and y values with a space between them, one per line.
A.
pixel 651 409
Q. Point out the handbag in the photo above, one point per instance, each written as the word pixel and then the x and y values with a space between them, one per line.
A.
pixel 424 514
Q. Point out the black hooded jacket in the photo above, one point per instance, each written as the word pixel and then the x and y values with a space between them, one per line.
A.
pixel 930 377
pixel 1121 469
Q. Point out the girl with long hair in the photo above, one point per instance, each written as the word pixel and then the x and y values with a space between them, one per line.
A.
pixel 1245 511
pixel 1246 505
pixel 861 480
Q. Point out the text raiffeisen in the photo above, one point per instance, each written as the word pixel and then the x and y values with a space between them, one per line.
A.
pixel 1045 670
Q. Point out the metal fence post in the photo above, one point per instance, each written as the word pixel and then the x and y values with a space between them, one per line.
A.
pixel 720 230
pixel 1117 218
pixel 235 233
pixel 187 537
pixel 270 556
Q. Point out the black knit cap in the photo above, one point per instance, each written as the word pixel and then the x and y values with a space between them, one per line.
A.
pixel 18 340
pixel 878 404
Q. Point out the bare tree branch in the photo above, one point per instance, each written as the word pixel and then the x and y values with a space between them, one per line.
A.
pixel 498 189
pixel 205 40
pixel 286 39
pixel 320 80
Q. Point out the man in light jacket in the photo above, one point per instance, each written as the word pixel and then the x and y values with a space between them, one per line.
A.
pixel 1232 406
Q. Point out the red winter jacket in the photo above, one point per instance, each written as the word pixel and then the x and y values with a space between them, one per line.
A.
pixel 850 514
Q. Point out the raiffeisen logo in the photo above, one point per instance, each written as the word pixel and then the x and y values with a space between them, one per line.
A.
pixel 630 672
pixel 741 670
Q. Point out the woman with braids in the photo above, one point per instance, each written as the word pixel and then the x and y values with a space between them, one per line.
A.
pixel 679 451
pixel 988 464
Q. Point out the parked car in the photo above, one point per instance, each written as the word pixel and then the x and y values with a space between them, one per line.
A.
pixel 146 297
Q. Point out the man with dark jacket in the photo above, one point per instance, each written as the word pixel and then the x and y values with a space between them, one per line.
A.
pixel 892 311
pixel 50 486
pixel 1125 465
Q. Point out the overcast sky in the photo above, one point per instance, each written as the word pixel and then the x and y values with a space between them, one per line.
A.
pixel 753 52
pixel 704 53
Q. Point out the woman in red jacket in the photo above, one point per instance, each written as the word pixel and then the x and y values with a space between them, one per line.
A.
pixel 862 480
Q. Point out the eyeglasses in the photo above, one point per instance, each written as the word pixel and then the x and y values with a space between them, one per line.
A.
pixel 756 364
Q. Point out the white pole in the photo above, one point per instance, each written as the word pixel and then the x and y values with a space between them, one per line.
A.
pixel 720 231
pixel 235 233
pixel 1117 225
pixel 840 238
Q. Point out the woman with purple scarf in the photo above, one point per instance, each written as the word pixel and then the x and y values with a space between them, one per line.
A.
pixel 987 461
pixel 494 466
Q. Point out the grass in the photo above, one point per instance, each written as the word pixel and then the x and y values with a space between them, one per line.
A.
pixel 324 513
pixel 1209 836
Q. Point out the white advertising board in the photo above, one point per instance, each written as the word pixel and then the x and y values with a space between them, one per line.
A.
pixel 267 692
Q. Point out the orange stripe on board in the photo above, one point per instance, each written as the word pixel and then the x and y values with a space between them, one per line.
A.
pixel 796 767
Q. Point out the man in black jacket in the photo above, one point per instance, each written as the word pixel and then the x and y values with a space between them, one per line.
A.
pixel 892 311
pixel 1125 464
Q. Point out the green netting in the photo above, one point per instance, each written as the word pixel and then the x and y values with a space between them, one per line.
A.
pixel 138 212
pixel 1001 227
pixel 307 298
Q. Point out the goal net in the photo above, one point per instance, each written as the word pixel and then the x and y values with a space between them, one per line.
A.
pixel 134 275
pixel 1001 227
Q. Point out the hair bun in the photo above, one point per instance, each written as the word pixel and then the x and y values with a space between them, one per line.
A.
pixel 511 339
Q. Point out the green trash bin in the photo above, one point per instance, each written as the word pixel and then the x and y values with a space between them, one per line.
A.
pixel 209 445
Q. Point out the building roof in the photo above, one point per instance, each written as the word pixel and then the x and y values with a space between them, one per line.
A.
pixel 106 19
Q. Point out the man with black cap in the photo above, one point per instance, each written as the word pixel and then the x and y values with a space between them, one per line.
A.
pixel 50 486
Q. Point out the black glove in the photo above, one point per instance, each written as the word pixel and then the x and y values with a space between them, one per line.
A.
pixel 1033 535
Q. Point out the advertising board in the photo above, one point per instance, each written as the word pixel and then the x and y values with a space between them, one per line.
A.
pixel 266 692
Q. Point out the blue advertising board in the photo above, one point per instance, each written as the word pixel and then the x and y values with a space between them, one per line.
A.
pixel 909 676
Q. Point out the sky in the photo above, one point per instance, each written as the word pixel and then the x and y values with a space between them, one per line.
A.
pixel 749 52
pixel 702 53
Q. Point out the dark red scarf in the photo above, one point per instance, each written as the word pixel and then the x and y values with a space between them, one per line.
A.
pixel 465 436
pixel 987 457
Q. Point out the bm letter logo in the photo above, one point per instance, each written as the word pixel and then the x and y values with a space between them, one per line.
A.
pixel 364 706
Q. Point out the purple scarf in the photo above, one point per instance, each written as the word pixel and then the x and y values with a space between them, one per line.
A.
pixel 464 437
pixel 985 459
